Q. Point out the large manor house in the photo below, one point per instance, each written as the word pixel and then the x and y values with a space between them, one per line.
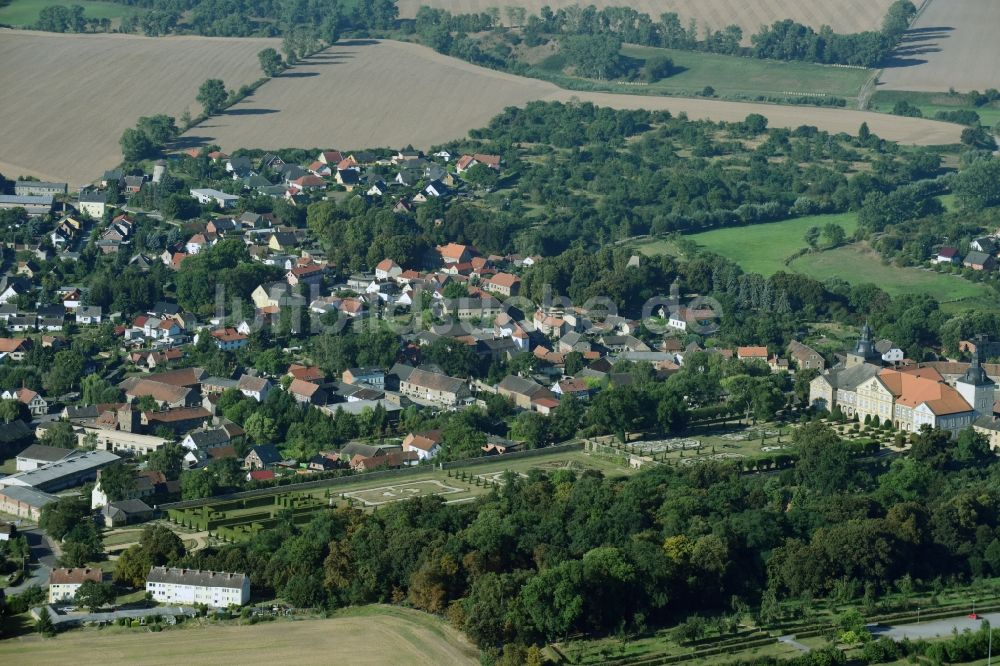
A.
pixel 911 396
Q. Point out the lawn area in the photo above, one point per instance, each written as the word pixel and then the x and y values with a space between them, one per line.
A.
pixel 25 12
pixel 763 248
pixel 859 265
pixel 748 78
pixel 404 637
pixel 123 537
pixel 930 103
pixel 760 248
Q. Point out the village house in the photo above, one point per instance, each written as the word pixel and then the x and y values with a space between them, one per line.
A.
pixel 466 162
pixel 805 357
pixel 229 339
pixel 504 284
pixel 264 456
pixel 523 392
pixel 254 387
pixel 14 348
pixel 372 376
pixel 178 420
pixel 752 354
pixel 36 404
pixel 208 196
pixel 92 203
pixel 125 512
pixel 425 444
pixel 453 253
pixel 979 261
pixel 435 388
pixel 63 583
pixel 946 255
pixel 191 586
pixel 306 393
pixel 387 269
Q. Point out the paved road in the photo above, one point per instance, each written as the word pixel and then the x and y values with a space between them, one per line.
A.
pixel 45 553
pixel 790 640
pixel 933 628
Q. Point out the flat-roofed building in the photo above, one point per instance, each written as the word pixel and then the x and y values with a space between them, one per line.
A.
pixel 62 474
pixel 38 455
pixel 32 205
pixel 24 502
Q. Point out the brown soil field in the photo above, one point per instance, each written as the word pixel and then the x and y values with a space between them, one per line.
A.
pixel 366 94
pixel 380 635
pixel 67 98
pixel 953 44
pixel 841 15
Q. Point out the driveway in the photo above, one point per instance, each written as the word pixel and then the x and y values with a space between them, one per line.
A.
pixel 933 628
pixel 45 552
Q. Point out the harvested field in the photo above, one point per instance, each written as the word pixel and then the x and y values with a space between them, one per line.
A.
pixel 365 94
pixel 405 637
pixel 63 122
pixel 841 15
pixel 952 44
pixel 919 132
pixel 387 93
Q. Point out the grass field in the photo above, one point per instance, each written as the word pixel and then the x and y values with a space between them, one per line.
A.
pixel 749 77
pixel 25 12
pixel 841 15
pixel 370 635
pixel 63 122
pixel 760 248
pixel 951 45
pixel 858 265
pixel 930 103
pixel 763 248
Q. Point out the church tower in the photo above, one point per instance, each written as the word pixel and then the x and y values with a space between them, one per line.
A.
pixel 975 386
pixel 864 350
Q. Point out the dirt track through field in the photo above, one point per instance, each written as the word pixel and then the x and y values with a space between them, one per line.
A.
pixel 67 98
pixel 953 44
pixel 841 15
pixel 365 94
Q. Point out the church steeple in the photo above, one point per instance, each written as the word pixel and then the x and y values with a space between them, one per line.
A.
pixel 976 375
pixel 864 349
pixel 975 386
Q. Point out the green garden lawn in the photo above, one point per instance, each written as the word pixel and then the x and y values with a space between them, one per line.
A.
pixel 734 76
pixel 763 248
pixel 858 265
